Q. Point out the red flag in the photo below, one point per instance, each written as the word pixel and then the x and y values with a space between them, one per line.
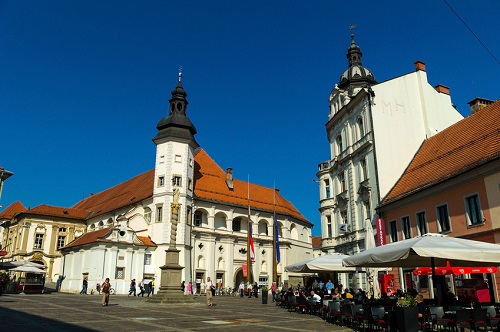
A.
pixel 250 239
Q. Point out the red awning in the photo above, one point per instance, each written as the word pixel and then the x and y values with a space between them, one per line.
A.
pixel 444 270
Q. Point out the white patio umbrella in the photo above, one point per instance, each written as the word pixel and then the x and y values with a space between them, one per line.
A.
pixel 27 269
pixel 371 273
pixel 30 269
pixel 428 250
pixel 325 263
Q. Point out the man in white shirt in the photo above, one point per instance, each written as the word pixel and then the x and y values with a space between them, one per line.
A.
pixel 316 298
pixel 208 291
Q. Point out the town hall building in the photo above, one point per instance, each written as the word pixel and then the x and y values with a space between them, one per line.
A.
pixel 187 201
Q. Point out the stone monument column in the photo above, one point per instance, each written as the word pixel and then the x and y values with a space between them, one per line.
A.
pixel 170 290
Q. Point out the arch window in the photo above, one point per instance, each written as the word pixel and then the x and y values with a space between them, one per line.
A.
pixel 198 216
pixel 237 225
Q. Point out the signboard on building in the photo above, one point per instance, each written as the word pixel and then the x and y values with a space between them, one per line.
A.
pixel 380 231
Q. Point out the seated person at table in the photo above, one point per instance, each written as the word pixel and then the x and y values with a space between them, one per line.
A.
pixel 422 307
pixel 315 297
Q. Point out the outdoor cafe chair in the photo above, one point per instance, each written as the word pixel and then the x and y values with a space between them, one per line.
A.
pixel 334 312
pixel 492 317
pixel 479 318
pixel 438 318
pixel 314 308
pixel 347 313
pixel 377 317
pixel 463 319
pixel 292 302
pixel 324 310
pixel 301 305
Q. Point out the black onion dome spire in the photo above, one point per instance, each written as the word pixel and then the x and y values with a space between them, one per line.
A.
pixel 177 125
pixel 355 75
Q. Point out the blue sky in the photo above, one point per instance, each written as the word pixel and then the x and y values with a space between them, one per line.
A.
pixel 84 83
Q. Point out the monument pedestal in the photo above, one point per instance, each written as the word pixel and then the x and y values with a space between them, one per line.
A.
pixel 170 291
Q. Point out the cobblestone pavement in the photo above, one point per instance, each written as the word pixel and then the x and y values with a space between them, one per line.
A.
pixel 74 312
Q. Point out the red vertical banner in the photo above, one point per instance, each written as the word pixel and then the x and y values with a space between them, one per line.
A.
pixel 380 231
pixel 244 268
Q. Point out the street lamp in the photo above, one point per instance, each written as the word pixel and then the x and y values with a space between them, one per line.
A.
pixel 4 175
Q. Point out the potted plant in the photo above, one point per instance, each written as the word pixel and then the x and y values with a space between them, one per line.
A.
pixel 265 293
pixel 407 314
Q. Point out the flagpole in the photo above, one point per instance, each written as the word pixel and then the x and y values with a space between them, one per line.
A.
pixel 275 263
pixel 249 261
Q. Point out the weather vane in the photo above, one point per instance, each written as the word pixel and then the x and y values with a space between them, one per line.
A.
pixel 180 73
pixel 352 26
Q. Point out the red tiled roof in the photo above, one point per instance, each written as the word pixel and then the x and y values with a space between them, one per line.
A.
pixel 124 194
pixel 101 236
pixel 466 144
pixel 10 211
pixel 89 237
pixel 55 211
pixel 147 241
pixel 316 242
pixel 210 184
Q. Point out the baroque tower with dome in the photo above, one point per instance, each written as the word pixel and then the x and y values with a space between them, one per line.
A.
pixel 373 130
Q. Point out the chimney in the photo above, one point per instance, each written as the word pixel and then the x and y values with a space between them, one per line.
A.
pixel 229 178
pixel 419 65
pixel 477 104
pixel 442 89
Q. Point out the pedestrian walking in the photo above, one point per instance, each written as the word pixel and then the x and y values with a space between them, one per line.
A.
pixel 141 288
pixel 84 286
pixel 151 288
pixel 105 292
pixel 132 288
pixel 190 288
pixel 208 290
pixel 194 288
pixel 273 291
pixel 241 288
pixel 202 288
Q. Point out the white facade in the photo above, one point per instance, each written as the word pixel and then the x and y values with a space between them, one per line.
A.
pixel 374 132
pixel 203 231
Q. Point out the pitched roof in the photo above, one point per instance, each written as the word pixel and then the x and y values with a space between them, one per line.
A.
pixel 56 211
pixel 10 211
pixel 101 236
pixel 89 237
pixel 210 184
pixel 121 195
pixel 465 145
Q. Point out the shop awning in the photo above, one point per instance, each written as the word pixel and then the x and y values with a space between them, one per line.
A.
pixel 427 271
